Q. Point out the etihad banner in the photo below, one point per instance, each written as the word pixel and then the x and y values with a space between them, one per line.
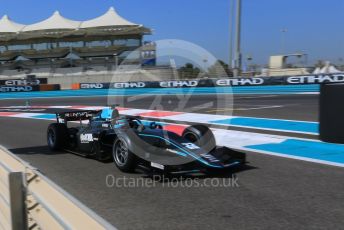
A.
pixel 315 79
pixel 28 88
pixel 117 85
pixel 11 89
pixel 141 84
pixel 224 82
pixel 16 82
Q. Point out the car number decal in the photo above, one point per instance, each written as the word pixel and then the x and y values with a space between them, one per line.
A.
pixel 190 145
pixel 86 138
pixel 210 157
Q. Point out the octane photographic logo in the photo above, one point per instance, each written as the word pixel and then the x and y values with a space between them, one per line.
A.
pixel 171 87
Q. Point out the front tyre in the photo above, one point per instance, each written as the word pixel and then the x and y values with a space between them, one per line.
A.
pixel 124 159
pixel 200 135
pixel 57 135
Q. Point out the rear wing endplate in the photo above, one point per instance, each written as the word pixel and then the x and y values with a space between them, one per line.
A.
pixel 77 115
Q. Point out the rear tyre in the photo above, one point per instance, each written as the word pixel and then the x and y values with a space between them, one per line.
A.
pixel 57 136
pixel 124 159
pixel 200 135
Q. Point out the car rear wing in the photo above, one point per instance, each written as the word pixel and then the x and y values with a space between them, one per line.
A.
pixel 76 115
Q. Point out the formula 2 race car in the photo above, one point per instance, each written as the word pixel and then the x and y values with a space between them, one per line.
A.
pixel 132 142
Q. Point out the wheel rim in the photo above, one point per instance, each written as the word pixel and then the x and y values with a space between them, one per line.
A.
pixel 121 153
pixel 51 138
pixel 191 137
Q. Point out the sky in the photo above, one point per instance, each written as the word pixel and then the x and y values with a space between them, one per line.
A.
pixel 313 26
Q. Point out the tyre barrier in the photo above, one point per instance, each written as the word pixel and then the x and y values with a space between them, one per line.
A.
pixel 29 200
pixel 331 113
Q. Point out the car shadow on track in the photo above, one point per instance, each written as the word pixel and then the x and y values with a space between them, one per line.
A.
pixel 36 150
pixel 229 173
pixel 162 178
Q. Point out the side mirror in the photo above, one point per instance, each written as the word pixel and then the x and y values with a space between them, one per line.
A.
pixel 153 125
pixel 114 116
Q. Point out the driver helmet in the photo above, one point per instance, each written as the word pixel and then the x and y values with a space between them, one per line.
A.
pixel 106 113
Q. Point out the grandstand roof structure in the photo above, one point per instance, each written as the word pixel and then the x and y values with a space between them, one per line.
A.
pixel 8 26
pixel 54 22
pixel 109 19
pixel 57 26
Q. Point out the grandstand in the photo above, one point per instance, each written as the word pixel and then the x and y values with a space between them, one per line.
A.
pixel 59 46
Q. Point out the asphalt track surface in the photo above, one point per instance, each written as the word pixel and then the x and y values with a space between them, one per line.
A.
pixel 273 192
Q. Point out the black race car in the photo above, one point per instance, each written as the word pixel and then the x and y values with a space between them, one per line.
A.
pixel 132 142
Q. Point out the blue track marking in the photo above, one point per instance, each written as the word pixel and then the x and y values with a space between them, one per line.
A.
pixel 306 149
pixel 272 124
pixel 280 89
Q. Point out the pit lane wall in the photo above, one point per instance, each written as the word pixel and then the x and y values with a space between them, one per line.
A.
pixel 331 112
pixel 41 84
pixel 225 82
pixel 29 200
